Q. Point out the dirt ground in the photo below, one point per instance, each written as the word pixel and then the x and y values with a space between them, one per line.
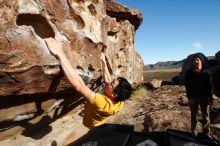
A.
pixel 162 109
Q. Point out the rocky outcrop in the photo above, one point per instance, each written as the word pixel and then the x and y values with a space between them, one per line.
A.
pixel 217 56
pixel 213 66
pixel 121 12
pixel 32 83
pixel 154 84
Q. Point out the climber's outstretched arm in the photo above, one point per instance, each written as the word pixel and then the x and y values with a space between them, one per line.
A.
pixel 75 80
pixel 106 74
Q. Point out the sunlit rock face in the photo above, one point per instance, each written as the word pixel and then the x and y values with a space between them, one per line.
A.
pixel 31 79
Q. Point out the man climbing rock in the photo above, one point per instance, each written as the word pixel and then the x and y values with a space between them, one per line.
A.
pixel 100 105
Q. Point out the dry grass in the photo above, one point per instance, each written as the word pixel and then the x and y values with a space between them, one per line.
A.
pixel 163 74
pixel 139 93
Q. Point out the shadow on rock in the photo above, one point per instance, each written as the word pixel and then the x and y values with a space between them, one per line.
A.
pixel 37 134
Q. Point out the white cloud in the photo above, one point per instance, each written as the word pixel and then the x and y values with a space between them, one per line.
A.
pixel 197 46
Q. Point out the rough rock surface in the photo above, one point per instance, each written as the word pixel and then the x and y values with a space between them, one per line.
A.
pixel 84 27
pixel 154 84
pixel 61 132
pixel 32 83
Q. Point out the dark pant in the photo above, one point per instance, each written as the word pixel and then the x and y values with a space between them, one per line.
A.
pixel 194 106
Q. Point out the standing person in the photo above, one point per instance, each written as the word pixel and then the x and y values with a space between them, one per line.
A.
pixel 100 105
pixel 199 90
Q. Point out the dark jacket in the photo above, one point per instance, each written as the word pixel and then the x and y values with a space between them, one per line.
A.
pixel 199 85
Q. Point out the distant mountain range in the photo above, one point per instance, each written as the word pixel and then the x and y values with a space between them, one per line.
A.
pixel 167 64
pixel 164 65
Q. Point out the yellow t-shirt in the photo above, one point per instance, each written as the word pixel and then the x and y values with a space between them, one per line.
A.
pixel 96 113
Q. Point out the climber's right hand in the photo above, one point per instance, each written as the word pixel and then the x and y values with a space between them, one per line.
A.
pixel 54 46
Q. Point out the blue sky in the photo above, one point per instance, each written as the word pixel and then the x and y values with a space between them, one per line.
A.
pixel 174 29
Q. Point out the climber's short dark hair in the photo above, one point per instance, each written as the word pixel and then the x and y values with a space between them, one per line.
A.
pixel 123 90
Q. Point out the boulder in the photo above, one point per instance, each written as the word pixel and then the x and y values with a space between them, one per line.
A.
pixel 154 84
pixel 32 82
pixel 122 12
pixel 215 70
pixel 217 57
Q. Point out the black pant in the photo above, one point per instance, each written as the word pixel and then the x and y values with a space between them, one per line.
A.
pixel 194 106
